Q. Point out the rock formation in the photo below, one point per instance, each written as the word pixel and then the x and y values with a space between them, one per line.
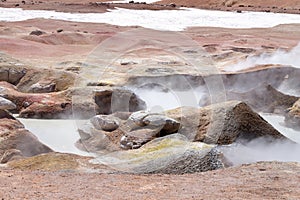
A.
pixel 172 154
pixel 222 123
pixel 17 142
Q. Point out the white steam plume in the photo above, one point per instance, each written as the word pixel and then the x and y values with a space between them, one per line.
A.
pixel 280 56
pixel 261 150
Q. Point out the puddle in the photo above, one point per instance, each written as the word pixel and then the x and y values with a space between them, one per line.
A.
pixel 59 135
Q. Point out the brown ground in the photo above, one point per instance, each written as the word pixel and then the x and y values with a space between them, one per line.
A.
pixel 85 6
pixel 257 181
pixel 287 6
pixel 77 40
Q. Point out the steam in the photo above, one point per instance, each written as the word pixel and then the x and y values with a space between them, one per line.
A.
pixel 262 150
pixel 281 57
pixel 158 100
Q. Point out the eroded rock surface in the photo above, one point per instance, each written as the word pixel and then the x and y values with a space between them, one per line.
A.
pixel 46 106
pixel 105 122
pixel 142 127
pixel 223 123
pixel 172 154
pixel 114 100
pixel 17 142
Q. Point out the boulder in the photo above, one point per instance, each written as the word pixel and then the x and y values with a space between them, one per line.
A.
pixel 15 140
pixel 11 74
pixel 142 127
pixel 136 118
pixel 264 98
pixel 45 106
pixel 105 122
pixel 6 104
pixel 166 125
pixel 172 154
pixel 98 141
pixel 223 123
pixel 135 139
pixel 110 100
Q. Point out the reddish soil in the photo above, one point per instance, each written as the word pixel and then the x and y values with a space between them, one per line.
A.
pixel 287 6
pixel 85 6
pixel 77 40
pixel 256 181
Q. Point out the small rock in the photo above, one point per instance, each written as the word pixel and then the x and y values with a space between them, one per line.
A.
pixel 167 125
pixel 137 138
pixel 172 5
pixel 42 87
pixel 37 33
pixel 105 122
pixel 59 30
pixel 136 118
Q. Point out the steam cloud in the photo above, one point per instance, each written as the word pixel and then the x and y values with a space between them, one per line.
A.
pixel 281 57
pixel 261 150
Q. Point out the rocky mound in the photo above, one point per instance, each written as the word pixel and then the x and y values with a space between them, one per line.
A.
pixel 15 141
pixel 172 154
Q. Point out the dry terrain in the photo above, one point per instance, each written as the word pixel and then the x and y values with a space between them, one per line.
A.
pixel 256 181
pixel 65 45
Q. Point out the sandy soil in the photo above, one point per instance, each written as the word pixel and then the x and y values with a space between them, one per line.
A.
pixel 85 6
pixel 64 41
pixel 257 181
pixel 288 6
pixel 76 40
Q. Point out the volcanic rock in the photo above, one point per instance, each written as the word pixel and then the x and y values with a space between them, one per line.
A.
pixel 135 139
pixel 37 32
pixel 112 100
pixel 105 122
pixel 223 123
pixel 98 141
pixel 30 105
pixel 142 127
pixel 264 98
pixel 11 73
pixel 15 140
pixel 172 154
pixel 42 87
pixel 166 125
pixel 6 104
